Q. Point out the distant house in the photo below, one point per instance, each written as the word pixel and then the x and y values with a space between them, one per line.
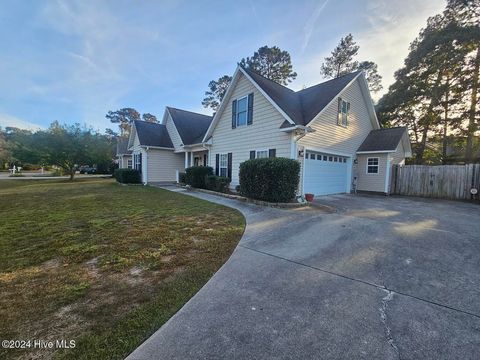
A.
pixel 124 155
pixel 330 128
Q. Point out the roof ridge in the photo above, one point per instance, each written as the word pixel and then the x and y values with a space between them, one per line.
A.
pixel 392 128
pixel 272 81
pixel 327 81
pixel 191 112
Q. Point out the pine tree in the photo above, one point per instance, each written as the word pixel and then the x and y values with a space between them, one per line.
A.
pixel 216 91
pixel 271 62
pixel 342 61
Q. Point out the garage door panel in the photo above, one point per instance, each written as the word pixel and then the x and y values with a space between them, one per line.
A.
pixel 325 176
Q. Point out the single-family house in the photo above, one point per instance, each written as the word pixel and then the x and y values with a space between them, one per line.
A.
pixel 330 128
pixel 161 151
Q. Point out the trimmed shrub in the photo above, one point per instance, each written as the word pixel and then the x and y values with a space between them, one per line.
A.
pixel 182 178
pixel 270 179
pixel 128 176
pixel 217 183
pixel 195 176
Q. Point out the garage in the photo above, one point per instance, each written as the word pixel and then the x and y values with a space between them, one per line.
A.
pixel 325 173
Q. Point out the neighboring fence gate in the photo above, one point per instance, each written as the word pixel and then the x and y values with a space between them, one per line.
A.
pixel 443 181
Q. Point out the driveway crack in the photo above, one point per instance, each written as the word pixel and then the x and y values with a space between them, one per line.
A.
pixel 383 315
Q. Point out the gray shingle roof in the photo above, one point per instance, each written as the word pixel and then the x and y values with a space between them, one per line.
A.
pixel 302 106
pixel 153 134
pixel 191 126
pixel 383 139
pixel 122 146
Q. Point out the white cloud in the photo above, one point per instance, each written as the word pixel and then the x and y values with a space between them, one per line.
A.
pixel 310 25
pixel 12 121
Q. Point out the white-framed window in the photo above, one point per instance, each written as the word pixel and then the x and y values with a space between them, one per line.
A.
pixel 343 111
pixel 242 111
pixel 138 161
pixel 261 154
pixel 372 165
pixel 129 163
pixel 223 164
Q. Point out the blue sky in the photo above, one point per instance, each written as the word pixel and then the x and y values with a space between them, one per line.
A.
pixel 73 61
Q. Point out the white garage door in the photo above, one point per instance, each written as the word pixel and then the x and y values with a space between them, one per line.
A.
pixel 325 174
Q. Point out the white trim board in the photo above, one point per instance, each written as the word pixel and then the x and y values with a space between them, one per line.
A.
pixel 376 152
pixel 328 151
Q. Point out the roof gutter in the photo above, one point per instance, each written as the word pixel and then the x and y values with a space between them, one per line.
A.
pixel 156 147
pixel 305 129
pixel 376 152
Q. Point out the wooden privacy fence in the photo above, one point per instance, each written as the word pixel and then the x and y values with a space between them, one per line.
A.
pixel 443 181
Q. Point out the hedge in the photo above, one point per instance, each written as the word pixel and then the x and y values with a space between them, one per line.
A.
pixel 270 179
pixel 182 178
pixel 195 176
pixel 217 183
pixel 128 176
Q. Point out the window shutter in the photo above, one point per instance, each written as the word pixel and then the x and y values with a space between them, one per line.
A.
pixel 250 109
pixel 339 115
pixel 252 154
pixel 217 164
pixel 348 112
pixel 140 160
pixel 272 153
pixel 234 114
pixel 229 166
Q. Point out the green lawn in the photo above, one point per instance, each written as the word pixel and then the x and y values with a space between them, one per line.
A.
pixel 102 264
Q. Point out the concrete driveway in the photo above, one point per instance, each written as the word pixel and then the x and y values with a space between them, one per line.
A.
pixel 383 278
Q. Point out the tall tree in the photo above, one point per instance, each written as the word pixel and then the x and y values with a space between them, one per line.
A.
pixel 430 84
pixel 149 118
pixel 216 91
pixel 343 61
pixel 5 154
pixel 124 118
pixel 374 79
pixel 271 62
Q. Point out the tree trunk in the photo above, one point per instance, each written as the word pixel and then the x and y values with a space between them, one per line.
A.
pixel 72 174
pixel 428 122
pixel 472 126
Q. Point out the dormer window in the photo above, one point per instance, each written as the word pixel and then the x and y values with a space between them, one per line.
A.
pixel 242 110
pixel 343 112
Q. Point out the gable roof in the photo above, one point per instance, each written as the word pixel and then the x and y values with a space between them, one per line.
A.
pixel 302 106
pixel 122 146
pixel 383 140
pixel 190 126
pixel 298 107
pixel 152 134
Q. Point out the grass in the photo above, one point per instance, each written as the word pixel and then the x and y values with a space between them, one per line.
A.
pixel 102 264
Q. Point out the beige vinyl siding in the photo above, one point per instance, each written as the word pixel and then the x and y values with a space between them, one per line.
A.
pixel 371 182
pixel 331 137
pixel 398 157
pixel 123 161
pixel 163 164
pixel 264 133
pixel 137 149
pixel 173 132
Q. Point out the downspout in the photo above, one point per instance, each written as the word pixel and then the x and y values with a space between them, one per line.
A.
pixel 387 175
pixel 295 139
pixel 146 165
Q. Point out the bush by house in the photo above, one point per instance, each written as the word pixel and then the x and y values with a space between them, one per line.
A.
pixel 269 179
